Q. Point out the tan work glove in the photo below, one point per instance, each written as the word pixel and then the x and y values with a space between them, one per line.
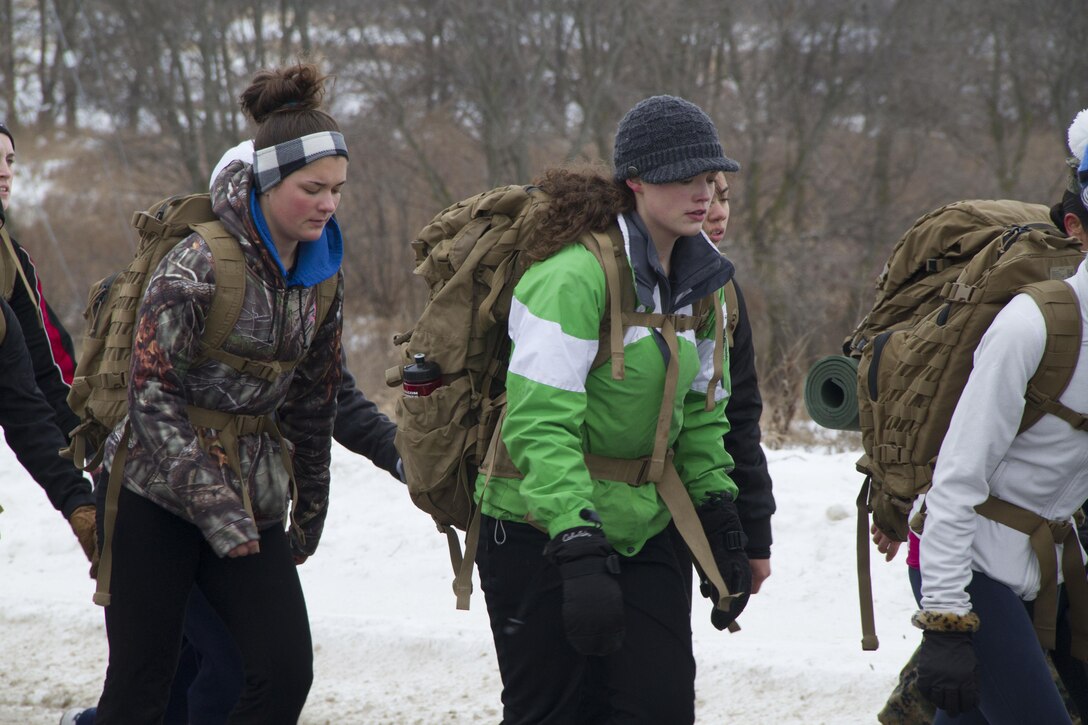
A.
pixel 82 522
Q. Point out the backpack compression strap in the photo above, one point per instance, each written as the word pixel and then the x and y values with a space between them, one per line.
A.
pixel 113 493
pixel 869 640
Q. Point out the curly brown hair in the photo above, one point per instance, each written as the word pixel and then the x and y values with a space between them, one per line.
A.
pixel 582 198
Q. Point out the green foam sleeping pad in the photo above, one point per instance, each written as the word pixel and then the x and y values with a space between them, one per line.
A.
pixel 831 392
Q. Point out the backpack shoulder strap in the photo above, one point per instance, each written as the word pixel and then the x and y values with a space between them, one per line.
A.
pixel 230 282
pixel 732 308
pixel 609 250
pixel 326 293
pixel 8 276
pixel 1061 311
pixel 8 265
pixel 230 290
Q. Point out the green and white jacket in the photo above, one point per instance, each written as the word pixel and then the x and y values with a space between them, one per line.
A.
pixel 559 408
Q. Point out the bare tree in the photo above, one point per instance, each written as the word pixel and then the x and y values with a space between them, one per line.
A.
pixel 849 120
pixel 7 59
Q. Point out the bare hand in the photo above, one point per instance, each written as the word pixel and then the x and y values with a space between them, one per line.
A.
pixel 886 546
pixel 250 547
pixel 761 569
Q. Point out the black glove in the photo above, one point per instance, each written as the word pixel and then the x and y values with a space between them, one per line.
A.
pixel 724 532
pixel 592 600
pixel 947 666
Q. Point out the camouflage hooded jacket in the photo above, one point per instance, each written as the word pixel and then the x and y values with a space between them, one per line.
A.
pixel 184 468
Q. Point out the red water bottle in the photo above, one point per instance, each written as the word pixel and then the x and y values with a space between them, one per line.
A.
pixel 422 377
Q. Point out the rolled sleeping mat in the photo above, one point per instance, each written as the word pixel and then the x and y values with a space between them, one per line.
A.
pixel 831 392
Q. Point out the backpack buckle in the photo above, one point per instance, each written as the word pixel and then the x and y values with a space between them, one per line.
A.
pixel 1033 396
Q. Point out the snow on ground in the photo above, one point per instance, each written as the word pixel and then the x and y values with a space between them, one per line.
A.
pixel 390 648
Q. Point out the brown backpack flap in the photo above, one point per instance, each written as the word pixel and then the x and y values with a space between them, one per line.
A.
pixel 932 253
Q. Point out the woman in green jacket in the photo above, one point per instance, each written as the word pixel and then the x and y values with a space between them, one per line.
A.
pixel 599 627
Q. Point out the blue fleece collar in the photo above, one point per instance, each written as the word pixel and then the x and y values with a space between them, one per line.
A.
pixel 316 261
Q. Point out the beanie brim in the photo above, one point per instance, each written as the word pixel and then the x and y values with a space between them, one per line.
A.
pixel 688 168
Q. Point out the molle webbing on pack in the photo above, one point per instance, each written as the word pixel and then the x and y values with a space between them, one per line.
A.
pixel 99 392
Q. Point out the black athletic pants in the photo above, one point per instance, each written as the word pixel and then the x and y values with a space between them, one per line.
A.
pixel 650 680
pixel 157 557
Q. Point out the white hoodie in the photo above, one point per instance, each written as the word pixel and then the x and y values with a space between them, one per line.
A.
pixel 1044 469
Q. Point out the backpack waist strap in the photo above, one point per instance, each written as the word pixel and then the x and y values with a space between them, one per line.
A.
pixel 1044 535
pixel 231 427
pixel 637 472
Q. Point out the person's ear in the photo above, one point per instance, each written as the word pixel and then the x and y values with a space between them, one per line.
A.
pixel 1075 229
pixel 1072 223
pixel 635 185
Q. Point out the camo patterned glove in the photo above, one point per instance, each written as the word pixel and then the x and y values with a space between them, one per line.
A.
pixel 592 599
pixel 724 532
pixel 947 665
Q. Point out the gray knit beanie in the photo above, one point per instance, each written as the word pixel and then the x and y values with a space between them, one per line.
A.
pixel 664 139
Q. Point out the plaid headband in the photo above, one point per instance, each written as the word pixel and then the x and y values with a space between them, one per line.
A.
pixel 273 164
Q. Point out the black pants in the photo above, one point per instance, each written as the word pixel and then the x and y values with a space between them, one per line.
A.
pixel 157 557
pixel 650 680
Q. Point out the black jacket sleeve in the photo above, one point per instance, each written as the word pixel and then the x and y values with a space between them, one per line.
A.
pixel 756 499
pixel 48 361
pixel 30 427
pixel 361 427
